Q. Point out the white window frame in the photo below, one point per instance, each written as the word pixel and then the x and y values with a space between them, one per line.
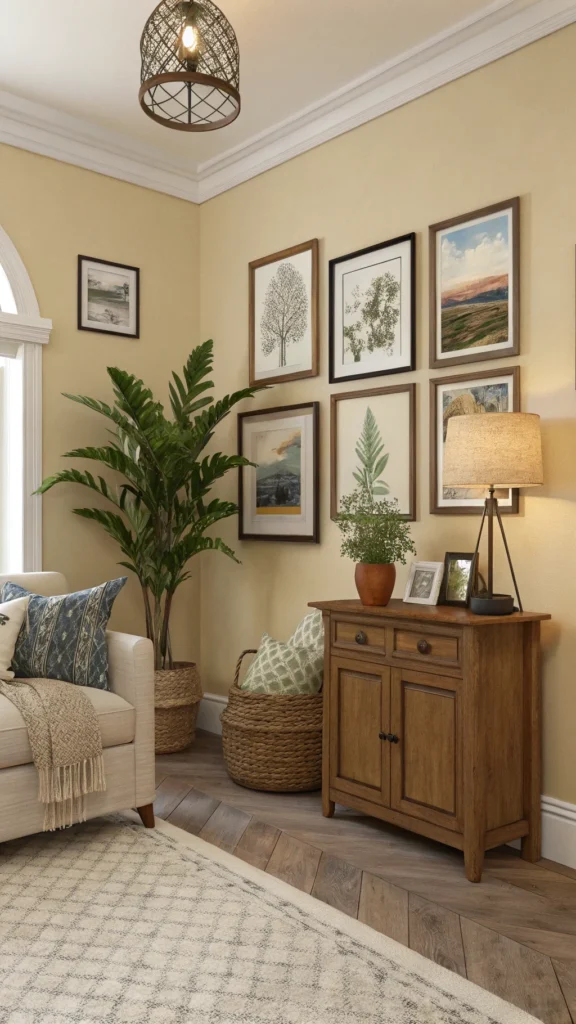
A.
pixel 27 328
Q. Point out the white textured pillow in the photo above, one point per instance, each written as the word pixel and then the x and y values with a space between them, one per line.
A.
pixel 12 615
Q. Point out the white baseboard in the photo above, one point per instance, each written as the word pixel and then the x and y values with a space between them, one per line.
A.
pixel 558 817
pixel 211 708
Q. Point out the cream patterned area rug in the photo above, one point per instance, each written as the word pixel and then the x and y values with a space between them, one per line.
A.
pixel 108 922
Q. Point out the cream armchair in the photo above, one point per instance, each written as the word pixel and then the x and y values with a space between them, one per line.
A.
pixel 126 716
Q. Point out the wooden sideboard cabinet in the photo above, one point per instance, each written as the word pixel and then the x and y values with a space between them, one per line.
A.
pixel 432 722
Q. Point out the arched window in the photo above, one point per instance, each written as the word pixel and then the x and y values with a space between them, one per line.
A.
pixel 23 332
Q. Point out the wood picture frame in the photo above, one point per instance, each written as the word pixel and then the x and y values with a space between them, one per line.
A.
pixel 506 264
pixel 459 556
pixel 511 372
pixel 307 522
pixel 112 305
pixel 303 259
pixel 410 446
pixel 400 255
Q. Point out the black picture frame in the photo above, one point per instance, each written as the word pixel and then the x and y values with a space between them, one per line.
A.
pixel 463 556
pixel 333 264
pixel 314 536
pixel 82 326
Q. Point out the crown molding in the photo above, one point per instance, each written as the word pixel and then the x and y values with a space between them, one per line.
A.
pixel 467 46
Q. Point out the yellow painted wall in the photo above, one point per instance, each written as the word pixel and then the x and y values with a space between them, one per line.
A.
pixel 506 130
pixel 53 212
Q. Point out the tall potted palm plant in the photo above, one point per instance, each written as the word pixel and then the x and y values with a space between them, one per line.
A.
pixel 161 510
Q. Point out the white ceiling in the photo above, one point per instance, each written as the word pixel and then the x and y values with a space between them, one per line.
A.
pixel 82 59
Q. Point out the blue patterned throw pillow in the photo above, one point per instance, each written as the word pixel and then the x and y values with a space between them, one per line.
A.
pixel 65 637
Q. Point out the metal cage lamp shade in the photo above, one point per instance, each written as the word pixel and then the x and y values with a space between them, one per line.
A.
pixel 190 67
pixel 489 451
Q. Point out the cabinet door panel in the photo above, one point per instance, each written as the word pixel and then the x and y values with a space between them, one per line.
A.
pixel 360 711
pixel 425 761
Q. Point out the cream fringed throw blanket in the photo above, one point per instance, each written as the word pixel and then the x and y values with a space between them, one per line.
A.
pixel 66 745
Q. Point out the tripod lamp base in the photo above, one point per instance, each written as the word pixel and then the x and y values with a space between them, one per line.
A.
pixel 492 604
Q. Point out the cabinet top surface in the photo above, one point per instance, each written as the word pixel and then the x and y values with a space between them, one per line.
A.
pixel 397 609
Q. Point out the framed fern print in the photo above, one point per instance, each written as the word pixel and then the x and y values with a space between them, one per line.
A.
pixel 373 445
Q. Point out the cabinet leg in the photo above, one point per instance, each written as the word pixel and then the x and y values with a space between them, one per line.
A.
pixel 531 847
pixel 473 862
pixel 328 807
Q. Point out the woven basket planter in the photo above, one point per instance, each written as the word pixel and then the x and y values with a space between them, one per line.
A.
pixel 272 742
pixel 177 696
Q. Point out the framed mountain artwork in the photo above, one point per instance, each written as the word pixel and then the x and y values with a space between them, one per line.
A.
pixel 475 286
pixel 284 315
pixel 372 311
pixel 278 493
pixel 373 445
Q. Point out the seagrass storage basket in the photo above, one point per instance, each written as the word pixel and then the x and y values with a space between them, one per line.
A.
pixel 272 742
pixel 177 696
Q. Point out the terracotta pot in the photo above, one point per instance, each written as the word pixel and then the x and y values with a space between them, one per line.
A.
pixel 375 583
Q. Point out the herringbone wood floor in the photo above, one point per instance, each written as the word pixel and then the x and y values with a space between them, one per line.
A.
pixel 514 933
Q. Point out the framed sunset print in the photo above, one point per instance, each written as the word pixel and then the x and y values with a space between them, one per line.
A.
pixel 284 315
pixel 482 393
pixel 372 311
pixel 475 286
pixel 278 493
pixel 373 445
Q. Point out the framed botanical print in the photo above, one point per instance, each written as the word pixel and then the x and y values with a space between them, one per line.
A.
pixel 475 286
pixel 284 315
pixel 483 393
pixel 278 493
pixel 373 445
pixel 108 297
pixel 372 311
pixel 424 583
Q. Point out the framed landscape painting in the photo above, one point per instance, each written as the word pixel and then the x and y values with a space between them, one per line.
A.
pixel 372 311
pixel 278 494
pixel 284 315
pixel 482 393
pixel 373 445
pixel 108 297
pixel 474 286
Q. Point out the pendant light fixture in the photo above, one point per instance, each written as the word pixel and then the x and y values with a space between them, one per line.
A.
pixel 190 67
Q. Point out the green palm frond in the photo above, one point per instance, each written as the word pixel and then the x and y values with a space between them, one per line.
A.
pixel 372 461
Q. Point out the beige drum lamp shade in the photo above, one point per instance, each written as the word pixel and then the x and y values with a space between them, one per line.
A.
pixel 497 449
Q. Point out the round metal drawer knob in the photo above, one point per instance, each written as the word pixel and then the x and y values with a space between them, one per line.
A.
pixel 361 637
pixel 424 647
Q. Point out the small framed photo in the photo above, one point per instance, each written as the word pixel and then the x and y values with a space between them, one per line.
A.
pixel 475 286
pixel 108 297
pixel 459 580
pixel 284 315
pixel 279 493
pixel 372 311
pixel 424 583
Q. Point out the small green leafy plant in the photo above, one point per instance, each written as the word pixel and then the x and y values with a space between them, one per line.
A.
pixel 373 531
pixel 372 462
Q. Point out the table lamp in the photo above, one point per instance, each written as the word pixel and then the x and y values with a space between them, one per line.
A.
pixel 491 450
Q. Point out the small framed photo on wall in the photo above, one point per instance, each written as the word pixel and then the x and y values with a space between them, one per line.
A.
pixel 424 582
pixel 482 393
pixel 372 311
pixel 459 580
pixel 284 315
pixel 475 286
pixel 108 297
pixel 373 445
pixel 278 495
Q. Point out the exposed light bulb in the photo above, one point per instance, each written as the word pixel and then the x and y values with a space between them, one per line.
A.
pixel 190 38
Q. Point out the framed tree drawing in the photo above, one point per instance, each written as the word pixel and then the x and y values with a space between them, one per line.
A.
pixel 284 315
pixel 372 311
pixel 482 393
pixel 373 445
pixel 108 297
pixel 475 286
pixel 278 493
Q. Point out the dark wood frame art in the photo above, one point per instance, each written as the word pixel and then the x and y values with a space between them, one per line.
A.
pixel 453 556
pixel 461 378
pixel 313 538
pixel 476 355
pixel 372 392
pixel 277 257
pixel 411 237
pixel 120 266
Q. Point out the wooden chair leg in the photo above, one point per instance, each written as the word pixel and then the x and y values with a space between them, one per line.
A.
pixel 147 815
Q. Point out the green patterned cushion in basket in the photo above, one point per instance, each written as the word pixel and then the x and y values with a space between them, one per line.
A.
pixel 310 632
pixel 281 668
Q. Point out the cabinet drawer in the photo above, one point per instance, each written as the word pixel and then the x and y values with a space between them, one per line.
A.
pixel 359 636
pixel 427 647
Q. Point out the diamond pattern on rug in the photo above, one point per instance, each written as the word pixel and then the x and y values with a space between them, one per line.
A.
pixel 108 923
